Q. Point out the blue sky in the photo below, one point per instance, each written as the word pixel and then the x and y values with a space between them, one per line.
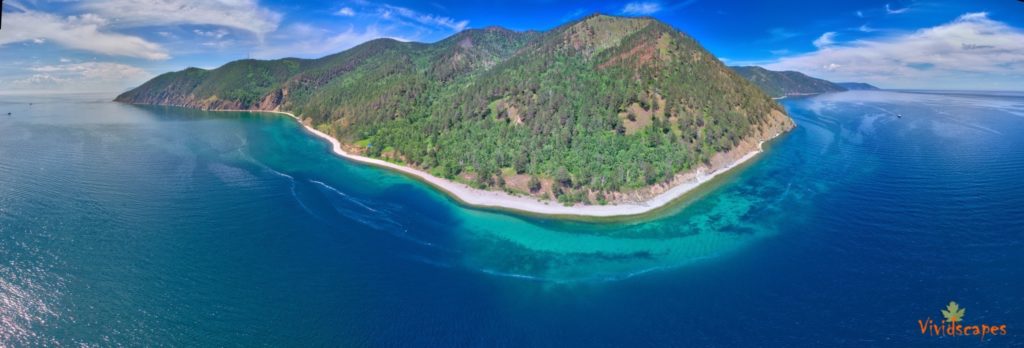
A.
pixel 111 45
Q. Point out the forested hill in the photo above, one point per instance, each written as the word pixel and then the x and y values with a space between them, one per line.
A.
pixel 587 111
pixel 783 83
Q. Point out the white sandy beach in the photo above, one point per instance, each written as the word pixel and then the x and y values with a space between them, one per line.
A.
pixel 498 199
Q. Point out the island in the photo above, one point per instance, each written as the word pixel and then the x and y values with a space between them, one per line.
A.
pixel 602 116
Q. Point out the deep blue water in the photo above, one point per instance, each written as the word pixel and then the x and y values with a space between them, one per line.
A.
pixel 126 225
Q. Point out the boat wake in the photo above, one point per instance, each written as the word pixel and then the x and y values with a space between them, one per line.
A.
pixel 342 194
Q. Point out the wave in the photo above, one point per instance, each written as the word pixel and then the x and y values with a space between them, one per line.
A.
pixel 349 198
pixel 424 260
pixel 295 195
pixel 276 172
pixel 378 219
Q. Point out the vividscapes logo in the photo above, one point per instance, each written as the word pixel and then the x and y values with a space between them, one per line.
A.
pixel 953 325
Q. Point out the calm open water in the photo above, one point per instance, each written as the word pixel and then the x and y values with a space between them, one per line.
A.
pixel 126 225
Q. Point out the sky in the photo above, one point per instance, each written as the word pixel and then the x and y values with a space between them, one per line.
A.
pixel 113 45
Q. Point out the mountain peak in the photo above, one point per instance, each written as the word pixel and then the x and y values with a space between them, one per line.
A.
pixel 497 28
pixel 601 19
pixel 598 32
pixel 604 16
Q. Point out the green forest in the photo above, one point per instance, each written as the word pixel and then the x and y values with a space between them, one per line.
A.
pixel 598 105
pixel 783 83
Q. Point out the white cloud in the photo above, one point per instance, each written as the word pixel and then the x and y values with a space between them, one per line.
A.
pixel 346 11
pixel 218 44
pixel 865 29
pixel 93 70
pixel 308 41
pixel 167 35
pixel 84 32
pixel 80 77
pixel 216 34
pixel 825 40
pixel 890 10
pixel 216 38
pixel 641 8
pixel 389 12
pixel 317 42
pixel 860 14
pixel 245 15
pixel 37 81
pixel 972 51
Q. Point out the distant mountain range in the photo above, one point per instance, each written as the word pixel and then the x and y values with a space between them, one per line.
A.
pixel 857 86
pixel 790 83
pixel 600 105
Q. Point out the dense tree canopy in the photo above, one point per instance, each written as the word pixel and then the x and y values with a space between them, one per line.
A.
pixel 783 83
pixel 601 104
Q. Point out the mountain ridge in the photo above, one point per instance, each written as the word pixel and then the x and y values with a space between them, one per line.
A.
pixel 603 109
pixel 857 86
pixel 786 83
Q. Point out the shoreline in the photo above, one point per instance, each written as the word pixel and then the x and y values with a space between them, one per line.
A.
pixel 499 200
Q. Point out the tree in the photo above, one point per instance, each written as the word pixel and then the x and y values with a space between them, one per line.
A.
pixel 562 177
pixel 534 184
pixel 521 162
pixel 432 105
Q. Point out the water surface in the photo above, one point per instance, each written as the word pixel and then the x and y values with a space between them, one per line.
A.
pixel 125 225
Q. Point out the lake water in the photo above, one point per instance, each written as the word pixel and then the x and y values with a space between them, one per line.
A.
pixel 127 225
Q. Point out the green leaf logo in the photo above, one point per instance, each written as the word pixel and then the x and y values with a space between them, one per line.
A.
pixel 953 313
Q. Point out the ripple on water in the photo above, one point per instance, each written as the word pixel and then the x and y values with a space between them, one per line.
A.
pixel 25 305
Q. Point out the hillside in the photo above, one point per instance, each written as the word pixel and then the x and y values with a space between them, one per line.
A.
pixel 786 83
pixel 604 109
pixel 857 86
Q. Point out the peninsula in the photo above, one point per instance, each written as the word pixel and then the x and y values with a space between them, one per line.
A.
pixel 780 84
pixel 604 116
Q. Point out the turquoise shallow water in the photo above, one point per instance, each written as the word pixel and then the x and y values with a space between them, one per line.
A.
pixel 165 226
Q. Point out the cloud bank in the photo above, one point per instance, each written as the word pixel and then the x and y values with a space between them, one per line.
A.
pixel 81 76
pixel 430 20
pixel 307 41
pixel 972 49
pixel 244 15
pixel 84 32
